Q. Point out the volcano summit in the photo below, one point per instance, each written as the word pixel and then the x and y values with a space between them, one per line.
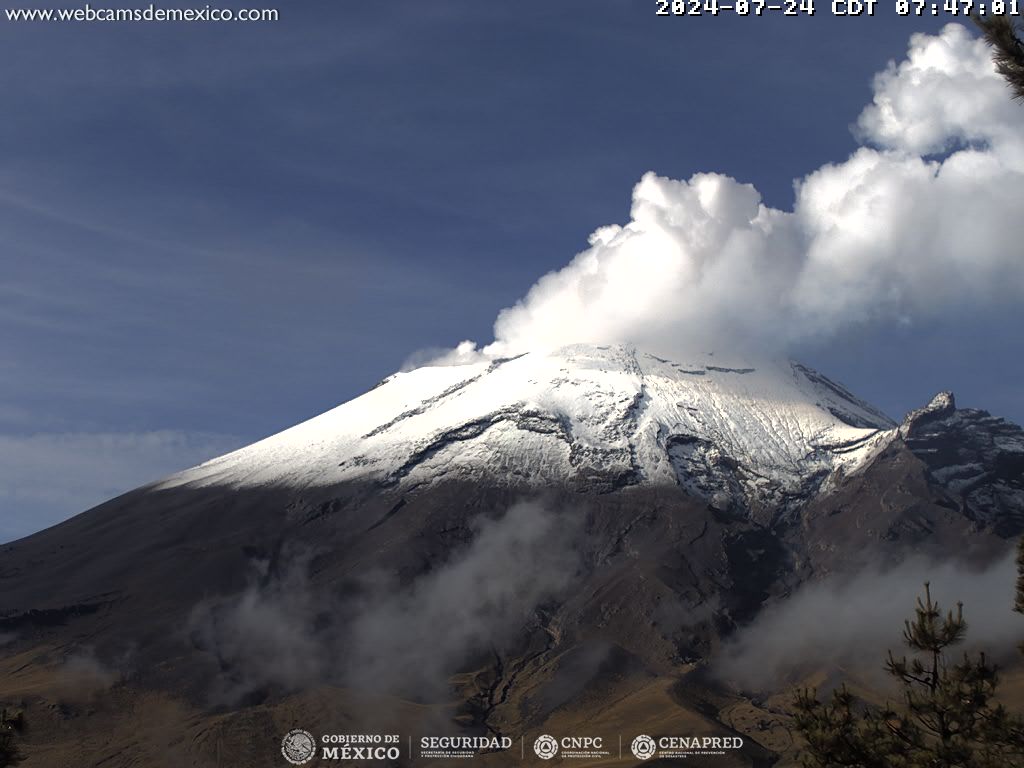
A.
pixel 596 418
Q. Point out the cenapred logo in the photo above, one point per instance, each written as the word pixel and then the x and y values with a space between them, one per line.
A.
pixel 546 747
pixel 298 746
pixel 643 747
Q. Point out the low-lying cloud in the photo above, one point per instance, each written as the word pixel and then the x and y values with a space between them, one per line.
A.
pixel 267 635
pixel 285 632
pixel 82 674
pixel 852 621
pixel 923 219
pixel 413 639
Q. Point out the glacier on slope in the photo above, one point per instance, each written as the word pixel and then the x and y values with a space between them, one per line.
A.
pixel 749 440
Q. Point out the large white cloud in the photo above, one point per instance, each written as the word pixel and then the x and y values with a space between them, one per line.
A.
pixel 925 218
pixel 944 93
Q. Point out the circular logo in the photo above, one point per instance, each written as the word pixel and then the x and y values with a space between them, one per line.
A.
pixel 546 747
pixel 298 746
pixel 643 747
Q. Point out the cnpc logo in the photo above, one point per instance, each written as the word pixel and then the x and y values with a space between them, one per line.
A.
pixel 546 747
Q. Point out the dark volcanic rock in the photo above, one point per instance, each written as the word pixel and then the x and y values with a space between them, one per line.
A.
pixel 977 458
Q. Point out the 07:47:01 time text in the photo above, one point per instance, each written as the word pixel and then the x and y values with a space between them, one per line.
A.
pixel 957 7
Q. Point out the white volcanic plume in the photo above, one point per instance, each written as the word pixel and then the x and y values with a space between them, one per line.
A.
pixel 924 218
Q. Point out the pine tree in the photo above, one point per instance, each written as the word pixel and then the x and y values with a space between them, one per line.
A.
pixel 1007 41
pixel 839 733
pixel 10 755
pixel 948 717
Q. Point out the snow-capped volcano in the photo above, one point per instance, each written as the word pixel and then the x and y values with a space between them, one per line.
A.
pixel 587 516
pixel 598 416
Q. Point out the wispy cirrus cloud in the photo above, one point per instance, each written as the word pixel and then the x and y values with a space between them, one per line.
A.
pixel 47 477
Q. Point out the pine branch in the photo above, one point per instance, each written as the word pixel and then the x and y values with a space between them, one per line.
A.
pixel 1008 55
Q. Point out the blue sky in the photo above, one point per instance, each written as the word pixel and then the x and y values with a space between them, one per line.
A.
pixel 211 232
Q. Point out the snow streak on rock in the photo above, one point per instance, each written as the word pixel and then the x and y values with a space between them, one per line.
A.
pixel 744 437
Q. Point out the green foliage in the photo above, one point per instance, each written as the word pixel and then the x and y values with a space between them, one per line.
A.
pixel 948 716
pixel 838 734
pixel 1007 41
pixel 10 755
